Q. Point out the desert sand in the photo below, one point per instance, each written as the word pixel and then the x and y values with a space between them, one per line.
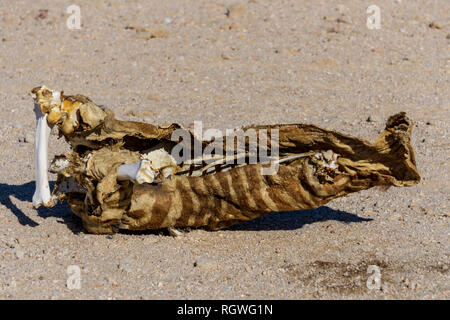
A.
pixel 228 64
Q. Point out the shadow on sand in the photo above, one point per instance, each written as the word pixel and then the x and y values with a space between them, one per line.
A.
pixel 292 220
pixel 25 192
pixel 275 221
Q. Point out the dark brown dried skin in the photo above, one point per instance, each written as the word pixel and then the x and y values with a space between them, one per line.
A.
pixel 221 199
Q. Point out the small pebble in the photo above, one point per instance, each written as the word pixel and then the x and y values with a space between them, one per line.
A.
pixel 19 254
pixel 434 25
pixel 205 264
pixel 124 267
pixel 28 138
pixel 235 11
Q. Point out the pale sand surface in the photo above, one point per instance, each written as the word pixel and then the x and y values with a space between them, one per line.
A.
pixel 269 62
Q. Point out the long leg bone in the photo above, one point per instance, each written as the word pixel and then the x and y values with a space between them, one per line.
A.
pixel 42 192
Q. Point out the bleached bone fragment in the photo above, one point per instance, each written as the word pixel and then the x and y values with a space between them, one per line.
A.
pixel 328 159
pixel 161 161
pixel 58 165
pixel 68 184
pixel 148 170
pixel 174 232
pixel 138 172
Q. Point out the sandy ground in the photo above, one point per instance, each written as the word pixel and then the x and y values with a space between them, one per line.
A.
pixel 263 62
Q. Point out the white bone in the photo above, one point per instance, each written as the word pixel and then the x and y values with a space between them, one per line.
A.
pixel 56 97
pixel 130 171
pixel 68 185
pixel 329 159
pixel 159 159
pixel 59 165
pixel 42 192
pixel 138 172
pixel 149 168
pixel 174 232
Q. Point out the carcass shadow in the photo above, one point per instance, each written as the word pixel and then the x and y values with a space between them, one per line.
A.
pixel 291 220
pixel 24 192
pixel 287 220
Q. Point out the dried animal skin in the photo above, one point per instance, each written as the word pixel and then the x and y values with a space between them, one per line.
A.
pixel 121 175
